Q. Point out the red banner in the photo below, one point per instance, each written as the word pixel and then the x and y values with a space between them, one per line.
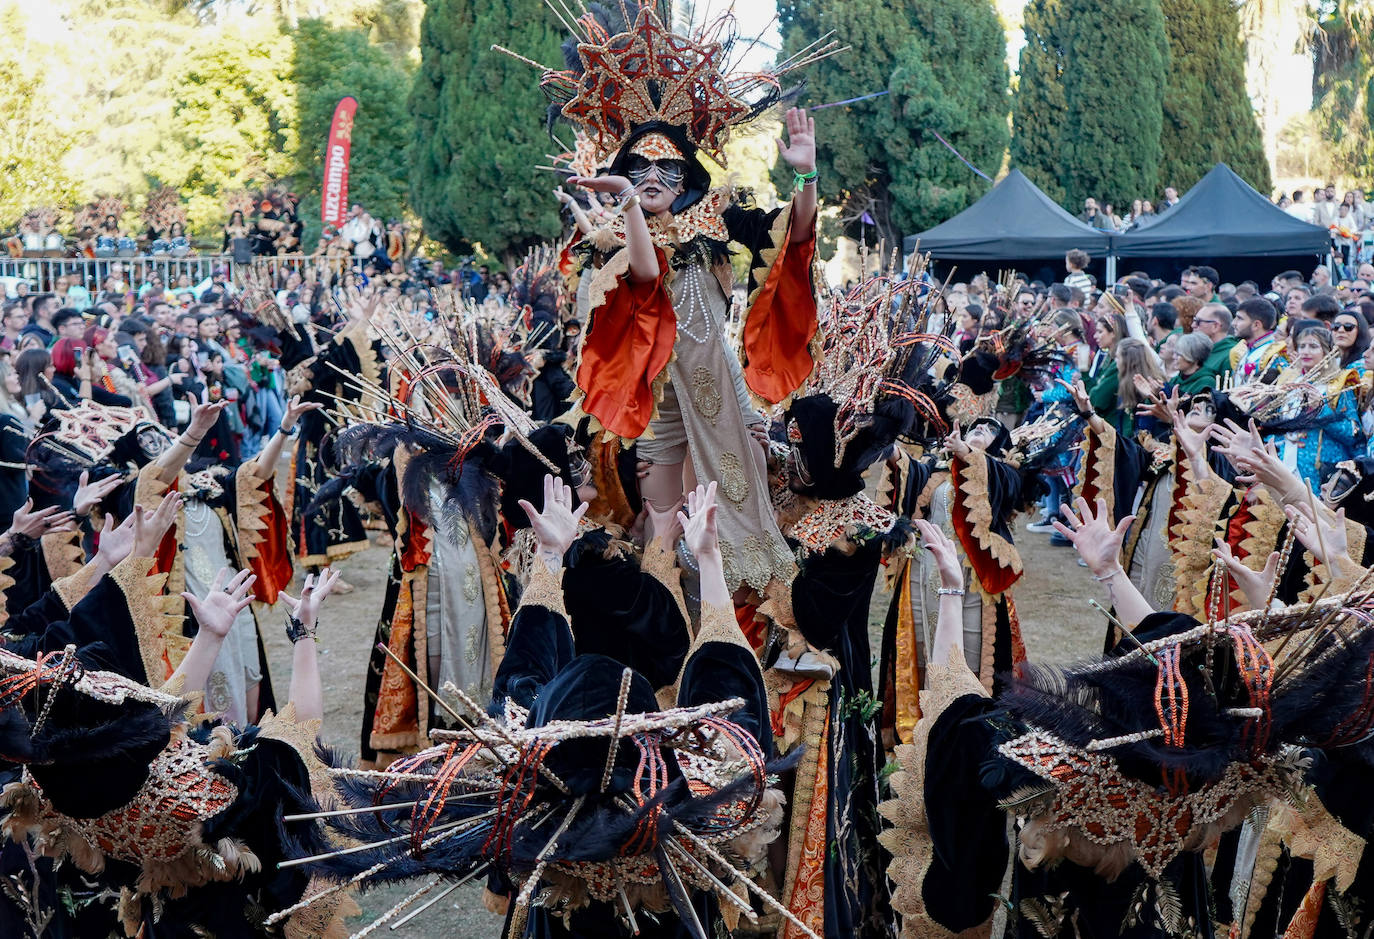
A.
pixel 334 197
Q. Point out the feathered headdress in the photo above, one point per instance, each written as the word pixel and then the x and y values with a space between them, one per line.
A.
pixel 873 380
pixel 593 793
pixel 163 209
pixel 1174 737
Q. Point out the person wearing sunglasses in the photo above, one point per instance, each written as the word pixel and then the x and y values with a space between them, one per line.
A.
pixel 1214 322
pixel 663 316
pixel 1350 333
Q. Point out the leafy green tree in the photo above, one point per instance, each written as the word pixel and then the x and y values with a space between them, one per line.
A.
pixel 1208 117
pixel 119 115
pixel 944 66
pixel 30 153
pixel 235 108
pixel 1344 83
pixel 329 64
pixel 1088 111
pixel 479 125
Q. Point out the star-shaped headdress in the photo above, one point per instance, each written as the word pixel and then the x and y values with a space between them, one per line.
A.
pixel 619 82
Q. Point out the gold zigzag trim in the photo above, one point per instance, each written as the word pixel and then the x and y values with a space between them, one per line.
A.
pixel 157 618
pixel 973 487
pixel 1193 535
pixel 62 553
pixel 251 494
pixel 1099 468
pixel 908 840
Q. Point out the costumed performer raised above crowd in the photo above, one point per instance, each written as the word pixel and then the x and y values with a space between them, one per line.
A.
pixel 655 364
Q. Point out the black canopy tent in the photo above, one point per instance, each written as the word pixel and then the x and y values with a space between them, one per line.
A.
pixel 1014 226
pixel 1223 222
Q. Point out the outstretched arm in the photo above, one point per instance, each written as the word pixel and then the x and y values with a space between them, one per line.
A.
pixel 948 644
pixel 266 462
pixel 643 257
pixel 174 458
pixel 1099 544
pixel 215 614
pixel 307 693
pixel 800 153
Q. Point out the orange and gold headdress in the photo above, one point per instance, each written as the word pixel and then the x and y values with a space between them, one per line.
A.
pixel 619 80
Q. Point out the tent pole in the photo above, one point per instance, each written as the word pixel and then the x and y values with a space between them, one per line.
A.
pixel 1111 269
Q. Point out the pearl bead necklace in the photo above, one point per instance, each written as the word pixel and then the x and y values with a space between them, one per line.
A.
pixel 694 302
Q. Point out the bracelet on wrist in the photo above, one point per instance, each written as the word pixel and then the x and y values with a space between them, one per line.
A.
pixel 625 193
pixel 1103 578
pixel 296 630
pixel 802 180
pixel 627 205
pixel 951 591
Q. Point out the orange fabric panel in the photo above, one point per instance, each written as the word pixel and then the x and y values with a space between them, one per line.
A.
pixel 995 578
pixel 415 542
pixel 781 323
pixel 628 345
pixel 397 705
pixel 273 562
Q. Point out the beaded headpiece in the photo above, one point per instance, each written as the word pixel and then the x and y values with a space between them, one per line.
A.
pixel 877 338
pixel 89 432
pixel 1154 750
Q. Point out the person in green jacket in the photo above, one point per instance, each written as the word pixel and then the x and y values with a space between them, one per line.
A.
pixel 1214 322
pixel 1190 354
pixel 1103 378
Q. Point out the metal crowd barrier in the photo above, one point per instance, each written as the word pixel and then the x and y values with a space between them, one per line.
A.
pixel 41 274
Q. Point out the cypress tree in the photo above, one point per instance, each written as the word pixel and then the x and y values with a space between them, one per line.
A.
pixel 944 67
pixel 1088 112
pixel 1208 117
pixel 480 125
pixel 951 80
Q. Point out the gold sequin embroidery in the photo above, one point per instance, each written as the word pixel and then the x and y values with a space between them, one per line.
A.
pixel 734 484
pixel 705 394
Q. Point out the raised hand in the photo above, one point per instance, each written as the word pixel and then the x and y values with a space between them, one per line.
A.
pixel 313 593
pixel 1190 440
pixel 955 443
pixel 149 528
pixel 90 494
pixel 1325 537
pixel 216 611
pixel 1256 585
pixel 116 542
pixel 800 148
pixel 943 550
pixel 1097 542
pixel 556 525
pixel 203 414
pixel 294 409
pixel 698 523
pixel 33 524
pixel 1080 394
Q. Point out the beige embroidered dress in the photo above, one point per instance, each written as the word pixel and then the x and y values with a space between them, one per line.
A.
pixel 704 409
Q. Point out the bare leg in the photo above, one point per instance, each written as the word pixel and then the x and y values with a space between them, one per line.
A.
pixel 661 490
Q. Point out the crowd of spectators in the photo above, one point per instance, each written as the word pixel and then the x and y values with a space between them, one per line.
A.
pixel 1143 339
